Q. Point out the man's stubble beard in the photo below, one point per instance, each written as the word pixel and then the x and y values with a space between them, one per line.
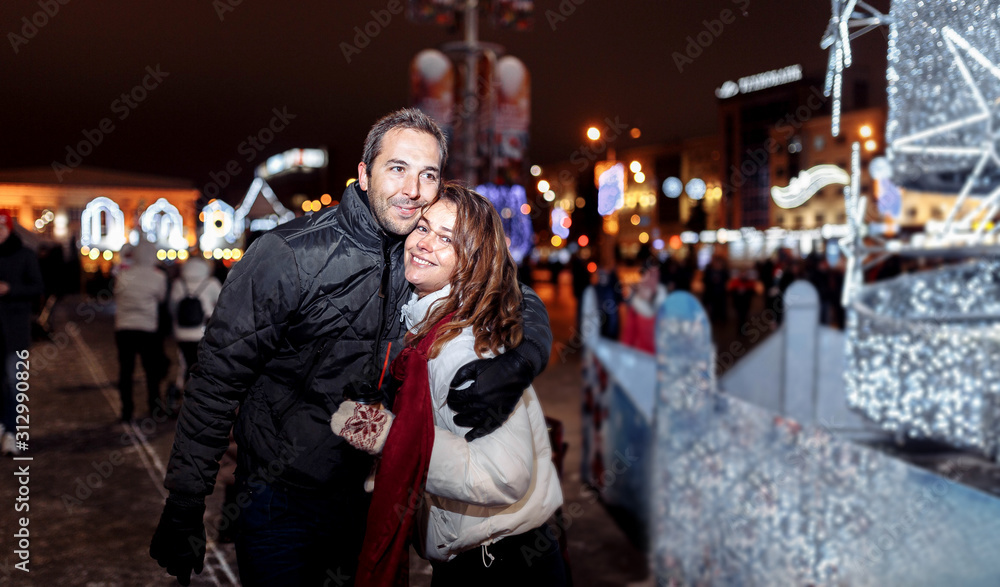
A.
pixel 380 207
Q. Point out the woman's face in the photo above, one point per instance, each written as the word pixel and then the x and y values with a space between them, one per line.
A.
pixel 429 256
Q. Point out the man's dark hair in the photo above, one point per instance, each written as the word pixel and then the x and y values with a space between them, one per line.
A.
pixel 405 118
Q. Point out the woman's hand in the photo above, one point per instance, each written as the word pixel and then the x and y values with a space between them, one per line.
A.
pixel 364 426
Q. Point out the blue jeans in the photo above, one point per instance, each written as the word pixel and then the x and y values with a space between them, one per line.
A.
pixel 289 537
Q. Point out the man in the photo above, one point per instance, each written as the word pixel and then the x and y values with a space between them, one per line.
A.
pixel 20 286
pixel 308 318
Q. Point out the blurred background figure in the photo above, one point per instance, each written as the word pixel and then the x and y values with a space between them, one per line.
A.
pixel 765 273
pixel 791 271
pixel 714 281
pixel 742 289
pixel 609 297
pixel 20 287
pixel 581 281
pixel 193 296
pixel 640 313
pixel 139 289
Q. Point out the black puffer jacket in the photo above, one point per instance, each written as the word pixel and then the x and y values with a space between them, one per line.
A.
pixel 307 316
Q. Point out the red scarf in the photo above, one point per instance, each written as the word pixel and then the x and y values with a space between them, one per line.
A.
pixel 402 472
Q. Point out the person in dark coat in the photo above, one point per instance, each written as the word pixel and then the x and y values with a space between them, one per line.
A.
pixel 609 300
pixel 20 286
pixel 715 279
pixel 307 319
pixel 742 289
pixel 581 281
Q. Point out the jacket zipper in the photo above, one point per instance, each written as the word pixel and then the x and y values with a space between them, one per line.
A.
pixel 384 292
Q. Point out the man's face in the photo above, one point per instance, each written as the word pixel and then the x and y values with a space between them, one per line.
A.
pixel 404 178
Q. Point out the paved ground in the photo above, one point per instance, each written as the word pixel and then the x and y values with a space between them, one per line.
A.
pixel 94 486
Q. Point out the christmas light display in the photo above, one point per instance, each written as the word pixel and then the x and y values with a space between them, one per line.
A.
pixel 508 200
pixel 259 187
pixel 846 14
pixel 922 355
pixel 91 233
pixel 162 224
pixel 611 190
pixel 220 230
pixel 806 184
pixel 944 106
pixel 922 348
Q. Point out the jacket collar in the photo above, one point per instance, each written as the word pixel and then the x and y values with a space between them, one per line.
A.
pixel 414 311
pixel 359 221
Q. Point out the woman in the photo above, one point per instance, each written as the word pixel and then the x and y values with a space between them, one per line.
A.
pixel 640 313
pixel 483 520
pixel 192 300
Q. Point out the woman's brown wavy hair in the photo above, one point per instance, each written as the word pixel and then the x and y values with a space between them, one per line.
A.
pixel 484 290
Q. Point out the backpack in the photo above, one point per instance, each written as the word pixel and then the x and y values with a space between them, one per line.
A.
pixel 190 313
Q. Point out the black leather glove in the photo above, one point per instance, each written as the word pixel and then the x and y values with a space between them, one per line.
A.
pixel 179 541
pixel 498 385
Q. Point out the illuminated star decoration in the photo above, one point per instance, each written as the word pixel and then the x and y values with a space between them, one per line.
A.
pixel 984 152
pixel 845 15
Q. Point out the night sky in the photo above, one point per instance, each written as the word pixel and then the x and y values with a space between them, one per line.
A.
pixel 221 77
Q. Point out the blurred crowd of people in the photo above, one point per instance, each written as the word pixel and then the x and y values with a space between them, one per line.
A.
pixel 729 294
pixel 152 303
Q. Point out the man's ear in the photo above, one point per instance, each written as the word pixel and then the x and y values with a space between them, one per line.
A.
pixel 362 177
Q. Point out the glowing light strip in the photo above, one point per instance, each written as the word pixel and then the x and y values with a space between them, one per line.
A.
pixel 941 128
pixel 845 16
pixel 991 199
pixel 90 224
pixel 260 187
pixel 152 226
pixel 807 183
pixel 962 195
pixel 990 213
pixel 838 79
pixel 292 159
pixel 837 38
pixel 964 69
pixel 955 151
pixel 852 244
pixel 954 37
